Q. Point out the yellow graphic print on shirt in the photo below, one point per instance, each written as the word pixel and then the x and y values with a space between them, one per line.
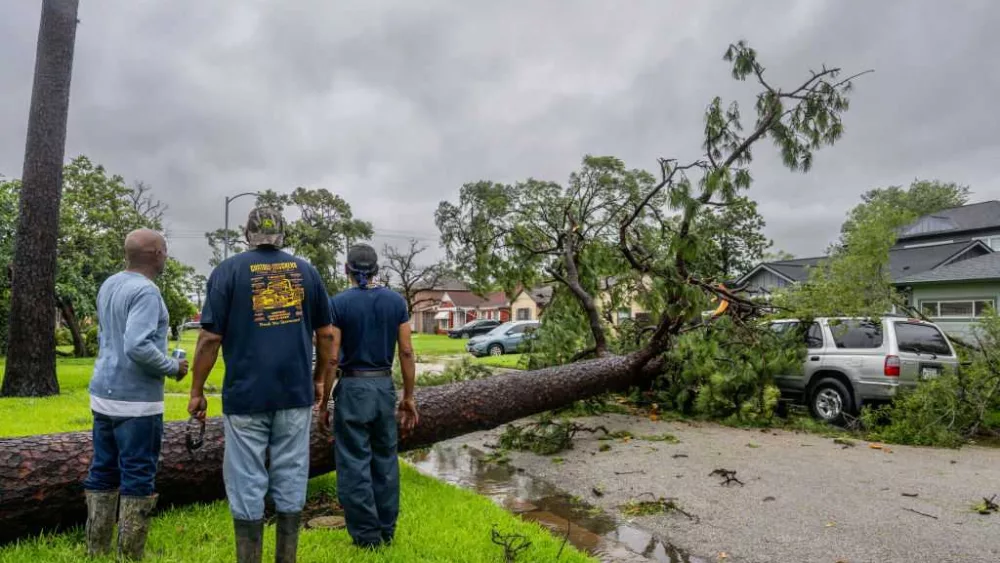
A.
pixel 277 293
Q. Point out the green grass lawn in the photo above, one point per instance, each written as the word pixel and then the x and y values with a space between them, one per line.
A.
pixel 426 345
pixel 507 361
pixel 438 523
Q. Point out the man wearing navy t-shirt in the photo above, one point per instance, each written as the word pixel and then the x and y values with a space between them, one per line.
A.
pixel 263 308
pixel 369 321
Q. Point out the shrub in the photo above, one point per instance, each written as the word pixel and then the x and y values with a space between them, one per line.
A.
pixel 90 340
pixel 727 370
pixel 949 410
pixel 63 336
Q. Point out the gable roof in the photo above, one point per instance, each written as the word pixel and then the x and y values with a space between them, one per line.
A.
pixel 972 217
pixel 903 262
pixel 541 295
pixel 469 300
pixel 980 268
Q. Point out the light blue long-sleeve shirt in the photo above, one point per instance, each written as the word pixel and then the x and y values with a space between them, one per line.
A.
pixel 132 358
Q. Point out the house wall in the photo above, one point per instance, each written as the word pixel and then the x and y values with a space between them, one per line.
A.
pixel 989 236
pixel 524 301
pixel 765 280
pixel 962 327
pixel 634 308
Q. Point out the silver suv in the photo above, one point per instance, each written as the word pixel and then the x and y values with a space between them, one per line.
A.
pixel 851 362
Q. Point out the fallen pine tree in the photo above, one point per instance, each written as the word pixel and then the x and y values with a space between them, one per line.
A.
pixel 41 476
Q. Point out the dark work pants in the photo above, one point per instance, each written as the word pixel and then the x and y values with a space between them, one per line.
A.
pixel 126 453
pixel 364 426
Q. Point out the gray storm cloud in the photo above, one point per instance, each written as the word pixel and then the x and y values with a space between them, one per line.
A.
pixel 395 104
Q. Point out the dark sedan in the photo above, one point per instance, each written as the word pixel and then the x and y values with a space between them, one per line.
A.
pixel 475 328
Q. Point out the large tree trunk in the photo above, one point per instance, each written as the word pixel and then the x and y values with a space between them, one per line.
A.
pixel 41 476
pixel 31 358
pixel 69 315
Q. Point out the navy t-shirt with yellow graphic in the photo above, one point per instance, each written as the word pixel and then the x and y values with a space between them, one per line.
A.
pixel 266 304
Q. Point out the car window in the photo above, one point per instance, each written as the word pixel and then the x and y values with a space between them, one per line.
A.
pixel 518 329
pixel 921 339
pixel 813 336
pixel 856 334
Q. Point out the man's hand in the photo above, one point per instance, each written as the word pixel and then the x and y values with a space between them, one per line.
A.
pixel 198 406
pixel 320 407
pixel 182 369
pixel 408 415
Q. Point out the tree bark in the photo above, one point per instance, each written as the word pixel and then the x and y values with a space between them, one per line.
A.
pixel 69 315
pixel 41 476
pixel 31 359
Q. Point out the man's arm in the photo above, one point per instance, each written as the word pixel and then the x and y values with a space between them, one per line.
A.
pixel 326 362
pixel 140 329
pixel 409 417
pixel 206 353
pixel 407 361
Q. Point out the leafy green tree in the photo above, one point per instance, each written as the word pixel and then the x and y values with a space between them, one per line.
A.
pixel 217 241
pixel 509 235
pixel 735 238
pixel 921 198
pixel 9 190
pixel 855 279
pixel 174 284
pixel 97 211
pixel 324 230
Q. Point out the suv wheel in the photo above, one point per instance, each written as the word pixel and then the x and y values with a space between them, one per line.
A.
pixel 496 350
pixel 830 400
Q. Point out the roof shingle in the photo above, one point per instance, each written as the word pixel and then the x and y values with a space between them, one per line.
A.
pixel 972 217
pixel 981 268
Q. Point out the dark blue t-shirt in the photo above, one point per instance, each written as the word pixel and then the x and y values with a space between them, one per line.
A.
pixel 265 304
pixel 369 321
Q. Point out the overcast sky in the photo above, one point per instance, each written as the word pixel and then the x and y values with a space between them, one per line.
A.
pixel 394 105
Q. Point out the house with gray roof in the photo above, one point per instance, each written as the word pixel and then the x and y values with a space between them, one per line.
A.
pixel 945 263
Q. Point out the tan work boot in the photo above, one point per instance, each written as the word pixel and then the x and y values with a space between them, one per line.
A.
pixel 102 513
pixel 133 526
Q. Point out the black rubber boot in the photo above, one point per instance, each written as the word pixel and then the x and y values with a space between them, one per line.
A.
pixel 287 536
pixel 133 526
pixel 102 513
pixel 249 540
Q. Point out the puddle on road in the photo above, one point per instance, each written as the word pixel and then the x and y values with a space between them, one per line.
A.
pixel 592 530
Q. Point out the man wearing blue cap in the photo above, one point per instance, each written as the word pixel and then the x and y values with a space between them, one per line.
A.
pixel 369 321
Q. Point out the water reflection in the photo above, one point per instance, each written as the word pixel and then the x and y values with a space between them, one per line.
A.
pixel 590 529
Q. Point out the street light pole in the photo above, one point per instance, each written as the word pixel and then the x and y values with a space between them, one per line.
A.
pixel 225 231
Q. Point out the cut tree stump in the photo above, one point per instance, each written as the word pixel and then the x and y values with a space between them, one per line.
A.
pixel 41 476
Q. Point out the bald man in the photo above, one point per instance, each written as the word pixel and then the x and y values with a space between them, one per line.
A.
pixel 126 397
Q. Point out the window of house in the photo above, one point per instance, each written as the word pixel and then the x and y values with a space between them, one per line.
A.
pixel 956 309
pixel 855 334
pixel 643 318
pixel 524 314
pixel 624 314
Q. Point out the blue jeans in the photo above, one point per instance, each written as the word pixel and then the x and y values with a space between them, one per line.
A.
pixel 126 453
pixel 248 479
pixel 364 426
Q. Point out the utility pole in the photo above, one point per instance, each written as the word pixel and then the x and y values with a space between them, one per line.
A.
pixel 225 228
pixel 31 351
